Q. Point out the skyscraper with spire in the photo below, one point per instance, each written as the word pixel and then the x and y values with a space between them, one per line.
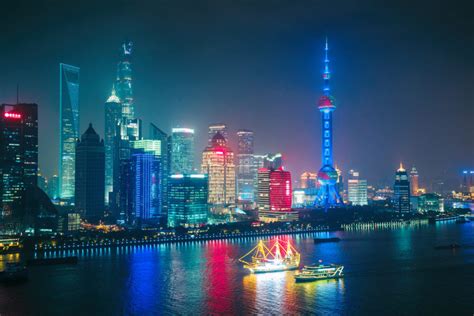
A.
pixel 113 115
pixel 401 191
pixel 328 195
pixel 124 81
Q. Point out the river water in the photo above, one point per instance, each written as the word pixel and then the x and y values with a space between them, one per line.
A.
pixel 388 272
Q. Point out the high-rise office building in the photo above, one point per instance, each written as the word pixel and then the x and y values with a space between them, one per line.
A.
pixel 401 191
pixel 157 134
pixel 147 179
pixel 90 176
pixel 217 128
pixel 146 186
pixel 357 189
pixel 124 81
pixel 182 150
pixel 309 180
pixel 188 195
pixel 113 116
pixel 218 164
pixel 328 195
pixel 68 128
pixel 18 154
pixel 274 193
pixel 246 172
pixel 414 182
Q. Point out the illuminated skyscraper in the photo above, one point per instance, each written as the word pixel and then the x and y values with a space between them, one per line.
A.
pixel 188 196
pixel 68 128
pixel 218 164
pixel 246 172
pixel 124 81
pixel 157 134
pixel 217 128
pixel 18 154
pixel 113 114
pixel 146 179
pixel 401 191
pixel 357 189
pixel 328 195
pixel 90 176
pixel 274 190
pixel 414 181
pixel 182 151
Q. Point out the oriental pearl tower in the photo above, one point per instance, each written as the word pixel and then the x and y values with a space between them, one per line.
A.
pixel 327 176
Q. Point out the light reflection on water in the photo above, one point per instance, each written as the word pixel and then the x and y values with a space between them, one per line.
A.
pixel 387 272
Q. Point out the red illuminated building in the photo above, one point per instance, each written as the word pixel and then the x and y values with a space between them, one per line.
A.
pixel 274 194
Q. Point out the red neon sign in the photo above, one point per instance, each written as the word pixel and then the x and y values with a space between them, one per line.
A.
pixel 12 115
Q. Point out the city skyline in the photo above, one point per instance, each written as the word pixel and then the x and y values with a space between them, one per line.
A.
pixel 409 104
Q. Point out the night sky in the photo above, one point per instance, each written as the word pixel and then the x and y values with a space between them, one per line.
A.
pixel 402 74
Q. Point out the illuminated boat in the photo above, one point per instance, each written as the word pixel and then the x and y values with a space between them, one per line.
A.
pixel 320 272
pixel 278 257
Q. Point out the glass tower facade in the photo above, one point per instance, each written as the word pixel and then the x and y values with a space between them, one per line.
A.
pixel 218 164
pixel 217 128
pixel 147 174
pixel 182 150
pixel 124 81
pixel 113 114
pixel 401 191
pixel 18 154
pixel 69 128
pixel 188 196
pixel 246 170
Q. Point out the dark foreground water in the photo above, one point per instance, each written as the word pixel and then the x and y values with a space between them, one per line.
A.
pixel 388 272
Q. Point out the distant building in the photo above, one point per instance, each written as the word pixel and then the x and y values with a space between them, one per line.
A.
pixel 401 191
pixel 53 187
pixel 414 182
pixel 42 182
pixel 309 180
pixel 246 171
pixel 430 202
pixel 68 128
pixel 113 116
pixel 90 176
pixel 217 128
pixel 218 164
pixel 182 150
pixel 188 195
pixel 274 198
pixel 357 189
pixel 18 155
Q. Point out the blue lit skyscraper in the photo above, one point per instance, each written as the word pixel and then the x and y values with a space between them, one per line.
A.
pixel 124 81
pixel 68 128
pixel 327 175
pixel 147 176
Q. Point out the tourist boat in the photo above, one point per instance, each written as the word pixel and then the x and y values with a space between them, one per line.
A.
pixel 319 272
pixel 279 256
pixel 14 272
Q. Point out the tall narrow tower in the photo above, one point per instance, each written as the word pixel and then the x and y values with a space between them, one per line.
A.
pixel 327 176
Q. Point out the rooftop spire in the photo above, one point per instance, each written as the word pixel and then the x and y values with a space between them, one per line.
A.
pixel 327 73
pixel 113 96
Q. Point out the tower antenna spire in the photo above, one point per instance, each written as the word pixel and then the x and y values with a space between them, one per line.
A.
pixel 327 73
